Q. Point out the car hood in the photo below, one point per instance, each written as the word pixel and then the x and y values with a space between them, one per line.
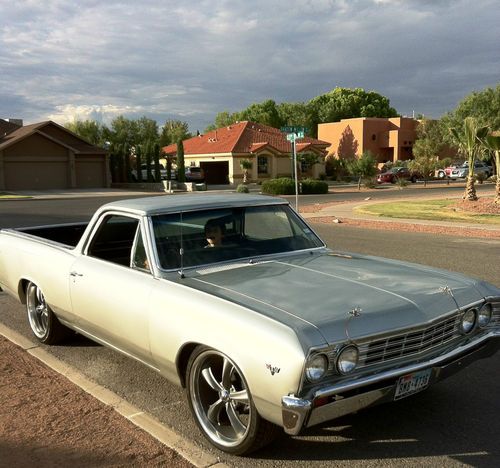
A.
pixel 315 293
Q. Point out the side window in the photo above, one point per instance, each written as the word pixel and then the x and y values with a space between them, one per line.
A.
pixel 267 223
pixel 114 239
pixel 139 258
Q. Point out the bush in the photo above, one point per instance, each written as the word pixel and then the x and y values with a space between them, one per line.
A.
pixel 242 188
pixel 310 186
pixel 281 186
pixel 369 183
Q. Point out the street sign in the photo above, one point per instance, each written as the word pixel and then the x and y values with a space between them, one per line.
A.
pixel 294 136
pixel 294 129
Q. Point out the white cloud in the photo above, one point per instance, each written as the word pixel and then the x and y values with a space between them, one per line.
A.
pixel 190 60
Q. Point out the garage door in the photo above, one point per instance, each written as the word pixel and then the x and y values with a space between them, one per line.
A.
pixel 90 174
pixel 27 175
pixel 216 172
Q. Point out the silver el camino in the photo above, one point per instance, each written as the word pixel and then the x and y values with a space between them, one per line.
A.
pixel 236 299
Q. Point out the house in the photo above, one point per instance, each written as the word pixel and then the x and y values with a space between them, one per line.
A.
pixel 388 139
pixel 220 151
pixel 47 156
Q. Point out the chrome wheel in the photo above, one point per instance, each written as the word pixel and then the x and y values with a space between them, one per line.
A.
pixel 43 322
pixel 221 403
pixel 38 311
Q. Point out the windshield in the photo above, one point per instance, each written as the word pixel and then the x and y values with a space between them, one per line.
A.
pixel 211 236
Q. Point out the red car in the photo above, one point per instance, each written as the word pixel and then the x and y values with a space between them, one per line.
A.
pixel 393 175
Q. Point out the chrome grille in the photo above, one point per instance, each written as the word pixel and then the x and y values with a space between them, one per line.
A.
pixel 409 343
pixel 495 316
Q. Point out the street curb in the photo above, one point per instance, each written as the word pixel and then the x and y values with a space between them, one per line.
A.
pixel 148 423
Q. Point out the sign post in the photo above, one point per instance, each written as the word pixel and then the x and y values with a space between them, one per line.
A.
pixel 293 133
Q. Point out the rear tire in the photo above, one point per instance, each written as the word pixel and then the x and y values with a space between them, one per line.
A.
pixel 222 406
pixel 43 323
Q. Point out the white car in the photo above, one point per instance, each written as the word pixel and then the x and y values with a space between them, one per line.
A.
pixel 462 171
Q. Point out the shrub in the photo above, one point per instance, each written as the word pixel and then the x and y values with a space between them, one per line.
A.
pixel 369 183
pixel 401 183
pixel 281 186
pixel 310 186
pixel 242 188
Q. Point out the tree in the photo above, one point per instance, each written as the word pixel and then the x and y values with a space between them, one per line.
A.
pixel 173 131
pixel 246 165
pixel 91 131
pixel 265 113
pixel 363 167
pixel 138 162
pixel 147 131
pixel 492 142
pixel 223 119
pixel 428 145
pixel 181 168
pixel 345 103
pixel 148 153
pixel 156 159
pixel 483 105
pixel 470 139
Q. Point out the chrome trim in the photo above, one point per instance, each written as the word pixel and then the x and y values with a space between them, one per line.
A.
pixel 298 413
pixel 345 386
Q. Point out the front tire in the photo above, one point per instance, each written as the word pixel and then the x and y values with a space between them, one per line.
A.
pixel 222 406
pixel 43 323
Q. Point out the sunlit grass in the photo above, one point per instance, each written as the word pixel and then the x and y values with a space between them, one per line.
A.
pixel 7 195
pixel 432 210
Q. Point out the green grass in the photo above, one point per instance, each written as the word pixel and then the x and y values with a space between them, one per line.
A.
pixel 7 195
pixel 433 210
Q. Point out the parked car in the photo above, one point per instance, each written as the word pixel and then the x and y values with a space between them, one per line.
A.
pixel 394 174
pixel 268 329
pixel 480 167
pixel 194 174
pixel 446 172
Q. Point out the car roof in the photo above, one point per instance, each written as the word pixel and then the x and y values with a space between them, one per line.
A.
pixel 189 202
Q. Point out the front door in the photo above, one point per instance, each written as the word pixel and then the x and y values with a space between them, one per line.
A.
pixel 110 287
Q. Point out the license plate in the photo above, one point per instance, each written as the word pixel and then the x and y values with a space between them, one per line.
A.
pixel 412 383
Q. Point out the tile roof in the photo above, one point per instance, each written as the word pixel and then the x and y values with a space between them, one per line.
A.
pixel 55 132
pixel 243 137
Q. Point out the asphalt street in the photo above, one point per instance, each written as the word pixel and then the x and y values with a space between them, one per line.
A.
pixel 454 423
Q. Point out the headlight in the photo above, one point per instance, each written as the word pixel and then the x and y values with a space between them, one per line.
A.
pixel 469 320
pixel 347 359
pixel 316 367
pixel 484 315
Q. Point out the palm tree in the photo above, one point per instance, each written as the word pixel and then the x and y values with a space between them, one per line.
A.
pixel 246 165
pixel 492 142
pixel 470 142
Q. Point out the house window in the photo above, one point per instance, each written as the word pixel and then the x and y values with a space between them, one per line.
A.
pixel 262 165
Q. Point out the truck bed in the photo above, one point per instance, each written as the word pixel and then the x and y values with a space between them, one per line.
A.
pixel 67 234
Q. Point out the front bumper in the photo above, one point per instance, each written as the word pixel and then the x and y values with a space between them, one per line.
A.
pixel 348 397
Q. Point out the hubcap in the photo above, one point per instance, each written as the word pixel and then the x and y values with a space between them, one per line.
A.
pixel 38 312
pixel 220 399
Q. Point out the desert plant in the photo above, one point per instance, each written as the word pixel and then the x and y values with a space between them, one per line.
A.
pixel 470 141
pixel 492 142
pixel 401 183
pixel 246 165
pixel 242 188
pixel 363 167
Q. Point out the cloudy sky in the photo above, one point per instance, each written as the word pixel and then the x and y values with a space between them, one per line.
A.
pixel 189 60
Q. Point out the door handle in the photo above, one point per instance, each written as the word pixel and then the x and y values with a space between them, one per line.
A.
pixel 74 273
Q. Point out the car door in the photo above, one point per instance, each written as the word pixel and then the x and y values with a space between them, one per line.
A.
pixel 111 284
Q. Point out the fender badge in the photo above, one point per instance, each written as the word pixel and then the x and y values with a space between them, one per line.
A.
pixel 356 312
pixel 272 369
